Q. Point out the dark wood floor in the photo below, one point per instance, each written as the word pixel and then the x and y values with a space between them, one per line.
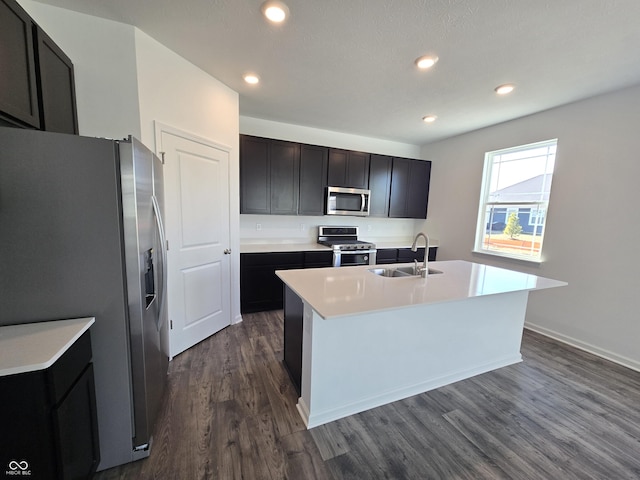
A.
pixel 230 414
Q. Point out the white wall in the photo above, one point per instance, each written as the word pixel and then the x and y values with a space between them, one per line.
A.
pixel 176 93
pixel 104 60
pixel 125 81
pixel 299 229
pixel 593 227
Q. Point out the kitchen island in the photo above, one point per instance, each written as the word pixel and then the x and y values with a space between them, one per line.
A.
pixel 367 340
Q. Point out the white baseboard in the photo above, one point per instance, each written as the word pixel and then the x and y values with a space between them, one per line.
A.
pixel 587 347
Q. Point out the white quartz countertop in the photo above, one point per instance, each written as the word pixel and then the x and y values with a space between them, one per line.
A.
pixel 273 246
pixel 342 291
pixel 282 247
pixel 37 346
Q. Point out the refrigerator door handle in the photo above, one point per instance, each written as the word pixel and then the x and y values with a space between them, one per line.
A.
pixel 163 249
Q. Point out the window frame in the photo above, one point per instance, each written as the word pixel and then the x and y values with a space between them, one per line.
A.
pixel 486 207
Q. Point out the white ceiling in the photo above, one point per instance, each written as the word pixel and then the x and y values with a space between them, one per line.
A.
pixel 347 65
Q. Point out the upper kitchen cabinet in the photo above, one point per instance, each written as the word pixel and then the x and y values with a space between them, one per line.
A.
pixel 380 185
pixel 57 87
pixel 36 77
pixel 348 169
pixel 18 86
pixel 409 188
pixel 313 179
pixel 269 176
pixel 284 159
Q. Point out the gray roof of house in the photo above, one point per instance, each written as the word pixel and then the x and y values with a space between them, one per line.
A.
pixel 525 191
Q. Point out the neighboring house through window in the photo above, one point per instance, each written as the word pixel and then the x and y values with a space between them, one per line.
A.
pixel 514 200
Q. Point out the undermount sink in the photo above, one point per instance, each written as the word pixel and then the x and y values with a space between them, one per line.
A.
pixel 400 272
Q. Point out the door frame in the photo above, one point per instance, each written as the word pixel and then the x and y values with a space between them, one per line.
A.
pixel 234 290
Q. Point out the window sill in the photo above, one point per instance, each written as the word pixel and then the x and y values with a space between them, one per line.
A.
pixel 522 260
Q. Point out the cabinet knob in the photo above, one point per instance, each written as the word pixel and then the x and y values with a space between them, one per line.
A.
pixel 227 251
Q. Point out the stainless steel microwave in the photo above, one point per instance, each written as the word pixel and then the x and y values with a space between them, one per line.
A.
pixel 348 201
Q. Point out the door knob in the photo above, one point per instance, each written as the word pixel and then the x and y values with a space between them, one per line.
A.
pixel 227 251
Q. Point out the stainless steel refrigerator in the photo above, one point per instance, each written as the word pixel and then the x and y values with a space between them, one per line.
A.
pixel 81 235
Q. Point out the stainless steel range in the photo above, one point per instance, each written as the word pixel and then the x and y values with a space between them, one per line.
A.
pixel 347 249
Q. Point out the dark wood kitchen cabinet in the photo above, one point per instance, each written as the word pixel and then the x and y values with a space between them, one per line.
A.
pixel 36 77
pixel 260 287
pixel 380 185
pixel 387 256
pixel 18 86
pixel 293 325
pixel 269 176
pixel 56 85
pixel 409 188
pixel 313 179
pixel 348 169
pixel 49 420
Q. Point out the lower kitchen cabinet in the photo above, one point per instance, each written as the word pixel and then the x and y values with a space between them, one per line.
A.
pixel 403 255
pixel 261 288
pixel 293 324
pixel 318 259
pixel 48 418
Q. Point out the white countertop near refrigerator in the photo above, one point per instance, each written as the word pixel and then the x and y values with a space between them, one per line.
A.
pixel 36 346
pixel 336 292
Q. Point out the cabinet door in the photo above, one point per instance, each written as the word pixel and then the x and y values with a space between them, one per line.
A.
pixel 418 192
pixel 260 287
pixel 255 187
pixel 405 255
pixel 76 423
pixel 358 170
pixel 284 166
pixel 337 174
pixel 409 188
pixel 380 185
pixel 386 256
pixel 348 169
pixel 18 88
pixel 57 87
pixel 399 188
pixel 293 331
pixel 318 259
pixel 313 179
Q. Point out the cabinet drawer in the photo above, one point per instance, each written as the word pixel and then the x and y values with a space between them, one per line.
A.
pixel 386 255
pixel 62 374
pixel 318 259
pixel 284 258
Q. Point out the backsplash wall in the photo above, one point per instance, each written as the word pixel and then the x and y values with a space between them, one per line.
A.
pixel 301 229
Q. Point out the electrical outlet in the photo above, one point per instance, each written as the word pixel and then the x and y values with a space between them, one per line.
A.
pixel 368 228
pixel 258 226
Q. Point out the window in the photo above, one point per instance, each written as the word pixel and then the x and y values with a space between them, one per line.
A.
pixel 514 200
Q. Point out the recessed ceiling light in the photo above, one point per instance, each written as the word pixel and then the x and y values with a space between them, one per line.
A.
pixel 275 11
pixel 425 62
pixel 251 78
pixel 429 119
pixel 504 89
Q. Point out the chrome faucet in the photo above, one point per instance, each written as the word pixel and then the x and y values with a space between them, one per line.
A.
pixel 425 268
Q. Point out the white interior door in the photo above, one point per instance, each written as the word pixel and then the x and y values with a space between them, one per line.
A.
pixel 196 178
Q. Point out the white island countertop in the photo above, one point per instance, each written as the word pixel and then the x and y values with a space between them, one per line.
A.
pixel 36 346
pixel 343 291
